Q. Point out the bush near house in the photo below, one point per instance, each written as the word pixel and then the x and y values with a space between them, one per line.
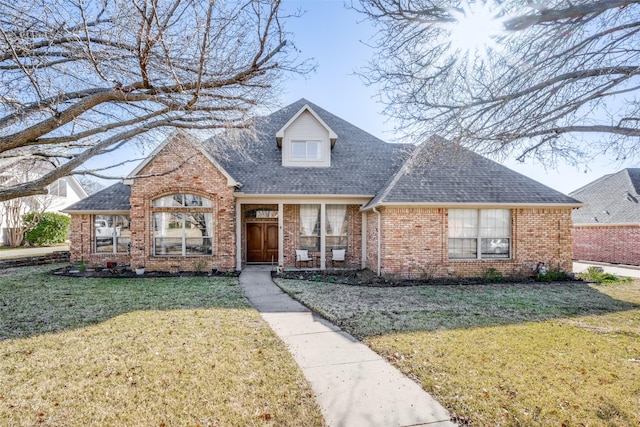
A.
pixel 52 228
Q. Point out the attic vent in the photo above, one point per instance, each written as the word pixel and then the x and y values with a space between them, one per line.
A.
pixel 631 198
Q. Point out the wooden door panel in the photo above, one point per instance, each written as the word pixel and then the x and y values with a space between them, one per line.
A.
pixel 262 242
pixel 255 247
pixel 271 242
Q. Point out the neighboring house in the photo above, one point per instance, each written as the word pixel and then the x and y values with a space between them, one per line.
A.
pixel 308 180
pixel 607 227
pixel 62 192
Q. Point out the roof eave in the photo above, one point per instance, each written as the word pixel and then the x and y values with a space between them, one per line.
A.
pixel 280 133
pixel 470 205
pixel 96 212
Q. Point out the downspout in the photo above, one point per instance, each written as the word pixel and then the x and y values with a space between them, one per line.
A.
pixel 379 240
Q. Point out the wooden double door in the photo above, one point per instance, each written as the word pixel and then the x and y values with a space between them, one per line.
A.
pixel 262 242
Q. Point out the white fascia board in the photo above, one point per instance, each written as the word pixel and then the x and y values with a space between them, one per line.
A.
pixel 355 199
pixel 93 212
pixel 77 187
pixel 280 134
pixel 607 224
pixel 472 205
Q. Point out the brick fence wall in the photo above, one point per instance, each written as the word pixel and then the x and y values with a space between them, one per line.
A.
pixel 52 258
pixel 607 243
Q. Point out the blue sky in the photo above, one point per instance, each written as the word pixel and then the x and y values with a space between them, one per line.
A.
pixel 336 37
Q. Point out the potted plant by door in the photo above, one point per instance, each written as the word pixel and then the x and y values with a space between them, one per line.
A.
pixel 140 270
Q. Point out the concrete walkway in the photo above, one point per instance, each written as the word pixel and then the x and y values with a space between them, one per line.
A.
pixel 354 386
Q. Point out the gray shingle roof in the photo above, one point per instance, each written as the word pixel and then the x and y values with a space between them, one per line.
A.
pixel 360 162
pixel 361 165
pixel 611 199
pixel 441 172
pixel 114 198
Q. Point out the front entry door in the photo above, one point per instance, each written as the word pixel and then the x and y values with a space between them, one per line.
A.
pixel 262 242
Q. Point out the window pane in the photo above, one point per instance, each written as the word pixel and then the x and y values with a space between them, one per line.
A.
pixel 463 223
pixel 123 244
pixel 108 229
pixel 495 223
pixel 336 227
pixel 172 200
pixel 313 150
pixel 495 248
pixel 182 200
pixel 103 231
pixel 104 244
pixel 168 246
pixel 310 227
pixel 463 249
pixel 195 200
pixel 198 230
pixel 167 228
pixel 298 150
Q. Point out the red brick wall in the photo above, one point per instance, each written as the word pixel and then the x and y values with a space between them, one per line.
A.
pixel 189 172
pixel 607 243
pixel 82 244
pixel 415 242
pixel 178 168
pixel 372 241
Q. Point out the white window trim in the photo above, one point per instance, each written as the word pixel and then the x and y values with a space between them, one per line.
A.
pixel 478 238
pixel 114 235
pixel 323 158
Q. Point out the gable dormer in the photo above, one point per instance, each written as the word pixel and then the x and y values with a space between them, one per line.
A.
pixel 306 140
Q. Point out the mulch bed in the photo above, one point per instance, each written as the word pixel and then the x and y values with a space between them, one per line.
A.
pixel 368 278
pixel 125 272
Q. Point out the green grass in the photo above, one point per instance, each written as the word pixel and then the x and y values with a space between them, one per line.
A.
pixel 178 351
pixel 503 355
pixel 370 311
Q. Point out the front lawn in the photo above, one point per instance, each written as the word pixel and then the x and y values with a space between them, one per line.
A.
pixel 145 352
pixel 503 354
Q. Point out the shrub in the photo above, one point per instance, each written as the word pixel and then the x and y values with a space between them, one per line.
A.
pixel 492 275
pixel 597 275
pixel 52 228
pixel 554 274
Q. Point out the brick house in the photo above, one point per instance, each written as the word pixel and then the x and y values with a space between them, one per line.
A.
pixel 607 227
pixel 308 180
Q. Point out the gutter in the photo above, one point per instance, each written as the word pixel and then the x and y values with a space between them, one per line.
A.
pixel 375 209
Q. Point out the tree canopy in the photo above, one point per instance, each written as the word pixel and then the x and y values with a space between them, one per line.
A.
pixel 81 78
pixel 513 78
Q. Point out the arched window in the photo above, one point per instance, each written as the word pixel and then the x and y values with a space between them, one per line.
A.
pixel 182 225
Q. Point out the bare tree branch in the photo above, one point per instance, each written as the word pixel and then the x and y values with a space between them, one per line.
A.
pixel 552 79
pixel 78 79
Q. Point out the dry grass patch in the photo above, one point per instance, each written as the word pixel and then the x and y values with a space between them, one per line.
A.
pixel 182 351
pixel 536 355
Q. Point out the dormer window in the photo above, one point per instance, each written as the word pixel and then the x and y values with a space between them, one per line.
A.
pixel 306 140
pixel 305 150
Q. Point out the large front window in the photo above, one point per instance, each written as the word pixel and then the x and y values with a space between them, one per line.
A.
pixel 336 227
pixel 111 233
pixel 479 233
pixel 182 225
pixel 310 227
